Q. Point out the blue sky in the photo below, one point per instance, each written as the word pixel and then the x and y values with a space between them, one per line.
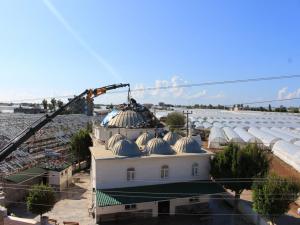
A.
pixel 60 47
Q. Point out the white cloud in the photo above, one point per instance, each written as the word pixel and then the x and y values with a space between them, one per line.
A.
pixel 197 95
pixel 284 94
pixel 175 81
pixel 217 96
pixel 173 91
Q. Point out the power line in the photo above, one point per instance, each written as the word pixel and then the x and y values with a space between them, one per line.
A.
pixel 216 83
pixel 162 195
pixel 211 83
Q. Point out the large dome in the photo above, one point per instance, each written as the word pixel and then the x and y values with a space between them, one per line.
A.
pixel 159 146
pixel 126 148
pixel 172 137
pixel 127 119
pixel 187 145
pixel 143 139
pixel 113 140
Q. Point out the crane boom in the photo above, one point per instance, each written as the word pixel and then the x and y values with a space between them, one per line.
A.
pixel 14 143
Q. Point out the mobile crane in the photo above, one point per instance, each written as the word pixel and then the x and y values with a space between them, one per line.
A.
pixel 13 144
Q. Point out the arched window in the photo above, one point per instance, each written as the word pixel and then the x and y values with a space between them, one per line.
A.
pixel 195 170
pixel 130 174
pixel 164 172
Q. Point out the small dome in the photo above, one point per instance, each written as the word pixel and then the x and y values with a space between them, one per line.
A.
pixel 187 145
pixel 158 146
pixel 126 148
pixel 113 140
pixel 127 119
pixel 143 139
pixel 171 137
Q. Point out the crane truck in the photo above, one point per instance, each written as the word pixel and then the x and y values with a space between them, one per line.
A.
pixel 14 143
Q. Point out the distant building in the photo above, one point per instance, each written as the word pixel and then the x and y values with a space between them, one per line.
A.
pixel 82 106
pixel 148 105
pixel 58 176
pixel 29 110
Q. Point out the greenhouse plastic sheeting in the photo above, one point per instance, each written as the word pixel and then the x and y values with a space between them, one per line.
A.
pixel 267 139
pixel 232 136
pixel 246 136
pixel 280 135
pixel 216 138
pixel 297 143
pixel 288 152
pixel 288 132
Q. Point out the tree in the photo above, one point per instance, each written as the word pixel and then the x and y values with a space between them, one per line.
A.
pixel 273 196
pixel 237 167
pixel 45 104
pixel 41 199
pixel 53 103
pixel 80 143
pixel 60 103
pixel 270 108
pixel 235 163
pixel 175 120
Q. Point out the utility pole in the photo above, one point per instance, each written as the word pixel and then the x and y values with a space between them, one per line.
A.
pixel 187 113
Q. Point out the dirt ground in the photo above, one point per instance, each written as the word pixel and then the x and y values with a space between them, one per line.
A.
pixel 72 204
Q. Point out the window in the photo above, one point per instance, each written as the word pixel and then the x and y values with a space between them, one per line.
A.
pixel 130 174
pixel 130 207
pixel 164 173
pixel 195 170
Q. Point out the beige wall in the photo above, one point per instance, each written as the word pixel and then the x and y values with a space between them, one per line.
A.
pixel 111 173
pixel 61 179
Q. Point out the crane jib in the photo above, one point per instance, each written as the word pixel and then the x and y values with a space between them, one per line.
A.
pixel 14 143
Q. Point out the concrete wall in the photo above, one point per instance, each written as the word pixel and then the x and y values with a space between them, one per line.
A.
pixel 112 173
pixel 62 179
pixel 15 194
pixel 117 212
pixel 150 209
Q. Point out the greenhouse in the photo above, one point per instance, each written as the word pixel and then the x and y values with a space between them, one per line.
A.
pixel 246 136
pixel 287 132
pixel 232 136
pixel 280 135
pixel 216 138
pixel 267 139
pixel 206 125
pixel 288 152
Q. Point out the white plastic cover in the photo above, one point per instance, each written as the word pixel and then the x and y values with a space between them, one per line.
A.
pixel 290 133
pixel 267 139
pixel 288 152
pixel 297 143
pixel 246 136
pixel 232 136
pixel 282 135
pixel 216 138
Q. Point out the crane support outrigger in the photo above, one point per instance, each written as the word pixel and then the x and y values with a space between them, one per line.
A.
pixel 14 143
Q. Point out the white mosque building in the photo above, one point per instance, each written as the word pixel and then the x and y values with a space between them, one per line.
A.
pixel 136 174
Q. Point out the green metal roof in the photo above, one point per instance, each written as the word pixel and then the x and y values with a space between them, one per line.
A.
pixel 26 175
pixel 151 193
